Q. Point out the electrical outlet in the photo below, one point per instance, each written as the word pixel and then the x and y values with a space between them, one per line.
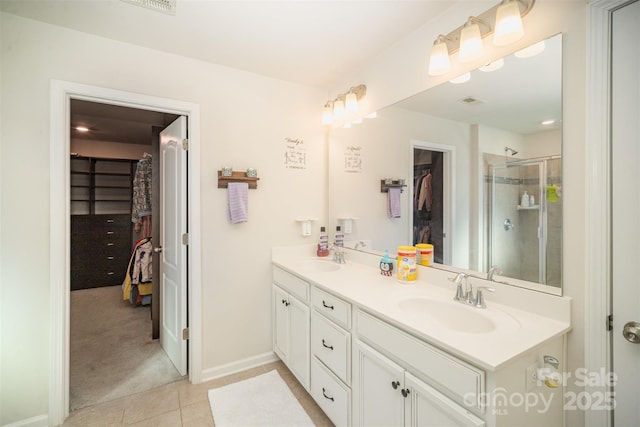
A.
pixel 531 377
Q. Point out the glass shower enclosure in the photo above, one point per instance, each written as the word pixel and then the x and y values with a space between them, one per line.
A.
pixel 525 241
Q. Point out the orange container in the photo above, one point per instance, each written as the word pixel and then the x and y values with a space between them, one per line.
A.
pixel 425 253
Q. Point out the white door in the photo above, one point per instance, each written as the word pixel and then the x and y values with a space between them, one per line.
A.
pixel 625 208
pixel 173 258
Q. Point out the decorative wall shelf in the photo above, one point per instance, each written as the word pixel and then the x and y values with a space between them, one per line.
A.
pixel 237 176
pixel 384 188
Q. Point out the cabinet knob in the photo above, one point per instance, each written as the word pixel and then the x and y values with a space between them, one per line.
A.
pixel 395 384
pixel 405 392
pixel 157 249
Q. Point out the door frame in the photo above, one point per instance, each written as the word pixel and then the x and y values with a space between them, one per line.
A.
pixel 61 93
pixel 598 286
pixel 448 192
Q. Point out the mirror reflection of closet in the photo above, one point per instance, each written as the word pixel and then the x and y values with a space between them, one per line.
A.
pixel 428 172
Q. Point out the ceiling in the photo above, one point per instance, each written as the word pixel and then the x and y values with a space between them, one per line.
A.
pixel 312 42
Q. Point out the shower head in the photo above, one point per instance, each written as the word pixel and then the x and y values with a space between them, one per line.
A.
pixel 513 152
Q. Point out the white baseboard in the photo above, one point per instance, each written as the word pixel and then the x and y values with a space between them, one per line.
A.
pixel 238 366
pixel 38 421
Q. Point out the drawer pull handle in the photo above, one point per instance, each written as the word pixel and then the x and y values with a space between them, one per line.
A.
pixel 110 221
pixel 111 258
pixel 405 392
pixel 330 347
pixel 325 395
pixel 395 384
pixel 111 273
pixel 326 306
pixel 110 244
pixel 285 302
pixel 109 232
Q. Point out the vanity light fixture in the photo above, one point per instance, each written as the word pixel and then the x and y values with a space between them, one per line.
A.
pixel 470 41
pixel 344 109
pixel 467 40
pixel 439 59
pixel 508 23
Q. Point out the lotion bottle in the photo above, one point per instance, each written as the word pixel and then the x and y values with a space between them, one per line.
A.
pixel 339 237
pixel 524 202
pixel 323 243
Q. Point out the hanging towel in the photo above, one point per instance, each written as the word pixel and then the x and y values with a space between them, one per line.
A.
pixel 238 202
pixel 393 202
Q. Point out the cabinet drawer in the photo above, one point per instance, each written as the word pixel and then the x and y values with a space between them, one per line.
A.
pixel 291 283
pixel 330 394
pixel 459 378
pixel 332 307
pixel 332 345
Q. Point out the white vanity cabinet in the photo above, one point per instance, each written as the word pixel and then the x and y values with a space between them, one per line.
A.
pixel 291 323
pixel 331 355
pixel 387 393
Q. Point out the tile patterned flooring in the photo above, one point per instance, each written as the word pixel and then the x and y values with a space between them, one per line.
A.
pixel 182 404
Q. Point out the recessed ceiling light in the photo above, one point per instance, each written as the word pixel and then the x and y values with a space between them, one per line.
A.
pixel 547 122
pixel 81 129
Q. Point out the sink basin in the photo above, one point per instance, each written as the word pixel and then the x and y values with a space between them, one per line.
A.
pixel 457 316
pixel 319 265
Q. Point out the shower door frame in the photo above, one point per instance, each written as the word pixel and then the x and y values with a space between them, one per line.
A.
pixel 542 214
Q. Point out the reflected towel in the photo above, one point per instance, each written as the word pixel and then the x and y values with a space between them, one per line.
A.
pixel 238 202
pixel 393 203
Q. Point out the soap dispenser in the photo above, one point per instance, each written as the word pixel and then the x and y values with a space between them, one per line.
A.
pixel 339 237
pixel 524 202
pixel 386 264
pixel 323 243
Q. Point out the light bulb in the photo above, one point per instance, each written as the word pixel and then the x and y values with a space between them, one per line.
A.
pixel 439 58
pixel 338 109
pixel 508 27
pixel 470 43
pixel 351 103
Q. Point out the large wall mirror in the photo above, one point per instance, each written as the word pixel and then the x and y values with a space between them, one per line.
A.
pixel 467 152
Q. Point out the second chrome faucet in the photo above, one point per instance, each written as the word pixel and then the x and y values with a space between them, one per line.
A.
pixel 464 291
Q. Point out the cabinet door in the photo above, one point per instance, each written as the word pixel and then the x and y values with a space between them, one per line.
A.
pixel 299 346
pixel 280 324
pixel 378 389
pixel 426 407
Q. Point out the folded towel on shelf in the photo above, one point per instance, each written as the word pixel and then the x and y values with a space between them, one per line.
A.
pixel 238 202
pixel 393 202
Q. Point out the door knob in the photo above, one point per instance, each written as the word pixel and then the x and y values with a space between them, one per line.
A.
pixel 631 332
pixel 157 249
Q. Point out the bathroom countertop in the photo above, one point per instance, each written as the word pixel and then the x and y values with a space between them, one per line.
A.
pixel 524 319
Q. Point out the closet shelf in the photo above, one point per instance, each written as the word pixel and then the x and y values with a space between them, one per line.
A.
pixel 237 176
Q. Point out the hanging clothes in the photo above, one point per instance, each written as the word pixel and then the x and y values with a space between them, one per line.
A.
pixel 142 192
pixel 137 286
pixel 426 193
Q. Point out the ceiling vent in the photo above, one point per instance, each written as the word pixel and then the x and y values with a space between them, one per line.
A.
pixel 164 6
pixel 470 100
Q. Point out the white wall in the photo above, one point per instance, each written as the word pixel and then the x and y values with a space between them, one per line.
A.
pixel 109 149
pixel 245 119
pixel 402 72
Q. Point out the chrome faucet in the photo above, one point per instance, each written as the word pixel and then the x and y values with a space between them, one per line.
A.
pixel 493 270
pixel 338 254
pixel 466 295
